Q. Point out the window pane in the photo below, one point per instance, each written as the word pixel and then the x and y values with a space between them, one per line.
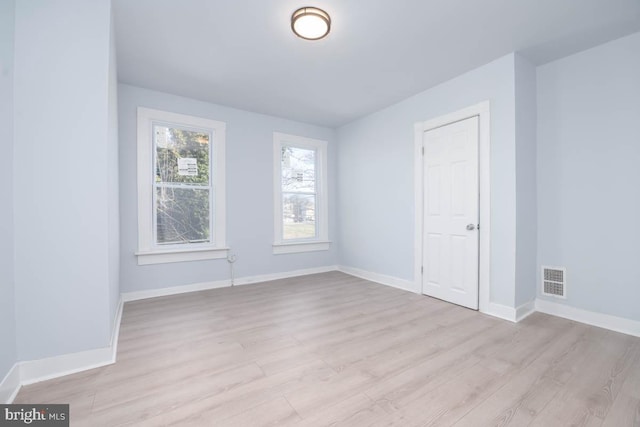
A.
pixel 182 156
pixel 299 216
pixel 298 169
pixel 182 215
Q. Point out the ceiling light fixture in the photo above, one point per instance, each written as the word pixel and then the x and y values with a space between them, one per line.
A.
pixel 310 23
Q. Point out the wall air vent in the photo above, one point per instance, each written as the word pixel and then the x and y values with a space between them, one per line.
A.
pixel 554 281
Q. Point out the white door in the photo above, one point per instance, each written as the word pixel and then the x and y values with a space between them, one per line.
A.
pixel 451 202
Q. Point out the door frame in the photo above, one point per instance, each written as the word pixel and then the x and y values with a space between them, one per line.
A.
pixel 482 111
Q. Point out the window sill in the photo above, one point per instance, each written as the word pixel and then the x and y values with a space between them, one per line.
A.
pixel 291 248
pixel 180 255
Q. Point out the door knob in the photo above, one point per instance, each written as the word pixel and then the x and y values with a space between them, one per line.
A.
pixel 471 227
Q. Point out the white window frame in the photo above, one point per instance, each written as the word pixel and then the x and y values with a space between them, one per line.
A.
pixel 148 251
pixel 321 241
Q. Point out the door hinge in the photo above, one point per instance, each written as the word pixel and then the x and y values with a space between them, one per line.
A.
pixel 422 270
pixel 423 151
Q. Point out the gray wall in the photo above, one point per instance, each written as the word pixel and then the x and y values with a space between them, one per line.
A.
pixel 375 167
pixel 60 176
pixel 588 175
pixel 113 185
pixel 7 314
pixel 526 210
pixel 249 153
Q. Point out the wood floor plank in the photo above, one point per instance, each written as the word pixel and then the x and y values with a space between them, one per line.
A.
pixel 275 413
pixel 429 405
pixel 225 405
pixel 332 349
pixel 625 410
pixel 519 401
pixel 587 398
pixel 357 410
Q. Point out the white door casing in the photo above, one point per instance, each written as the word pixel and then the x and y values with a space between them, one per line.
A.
pixel 481 110
pixel 451 212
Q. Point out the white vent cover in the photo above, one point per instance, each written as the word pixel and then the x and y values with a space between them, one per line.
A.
pixel 554 281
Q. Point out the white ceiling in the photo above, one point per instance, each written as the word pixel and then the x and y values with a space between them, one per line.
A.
pixel 242 53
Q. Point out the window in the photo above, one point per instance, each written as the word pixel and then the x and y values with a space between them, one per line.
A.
pixel 181 191
pixel 300 181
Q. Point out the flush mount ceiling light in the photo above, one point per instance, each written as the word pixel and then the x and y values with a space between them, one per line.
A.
pixel 310 23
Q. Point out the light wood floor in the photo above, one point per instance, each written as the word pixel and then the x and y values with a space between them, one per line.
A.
pixel 333 349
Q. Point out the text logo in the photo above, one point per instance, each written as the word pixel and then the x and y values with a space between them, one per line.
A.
pixel 34 415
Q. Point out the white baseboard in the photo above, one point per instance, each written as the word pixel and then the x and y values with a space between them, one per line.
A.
pixel 606 321
pixel 10 385
pixel 405 285
pixel 34 371
pixel 249 280
pixel 501 311
pixel 173 290
pixel 115 330
pixel 239 281
pixel 525 310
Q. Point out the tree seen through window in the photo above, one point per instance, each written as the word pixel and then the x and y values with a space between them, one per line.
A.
pixel 182 195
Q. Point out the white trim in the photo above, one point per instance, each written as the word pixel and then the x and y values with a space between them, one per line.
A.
pixel 281 246
pixel 115 329
pixel 482 110
pixel 10 385
pixel 203 286
pixel 394 282
pixel 525 310
pixel 162 257
pixel 146 244
pixel 34 371
pixel 500 311
pixel 511 314
pixel 601 320
pixel 289 248
pixel 249 280
pixel 174 290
